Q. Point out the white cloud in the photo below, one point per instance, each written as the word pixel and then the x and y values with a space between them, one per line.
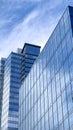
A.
pixel 31 16
pixel 35 28
pixel 32 30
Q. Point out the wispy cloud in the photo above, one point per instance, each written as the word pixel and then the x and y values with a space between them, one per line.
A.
pixel 28 21
pixel 12 15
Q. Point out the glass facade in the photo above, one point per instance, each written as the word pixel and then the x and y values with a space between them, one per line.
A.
pixel 12 82
pixel 2 66
pixel 30 53
pixel 46 95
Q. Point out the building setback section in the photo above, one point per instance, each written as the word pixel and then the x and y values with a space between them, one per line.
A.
pixel 12 83
pixel 30 53
pixel 46 95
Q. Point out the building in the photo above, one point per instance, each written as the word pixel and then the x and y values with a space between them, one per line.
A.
pixel 30 53
pixel 46 95
pixel 2 66
pixel 12 83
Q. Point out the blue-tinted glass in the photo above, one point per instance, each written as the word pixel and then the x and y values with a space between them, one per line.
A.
pixel 50 98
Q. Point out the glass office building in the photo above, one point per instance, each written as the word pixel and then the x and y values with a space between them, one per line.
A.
pixel 46 95
pixel 12 82
pixel 30 53
pixel 2 66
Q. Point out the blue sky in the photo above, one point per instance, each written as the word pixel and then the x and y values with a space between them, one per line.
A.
pixel 29 21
